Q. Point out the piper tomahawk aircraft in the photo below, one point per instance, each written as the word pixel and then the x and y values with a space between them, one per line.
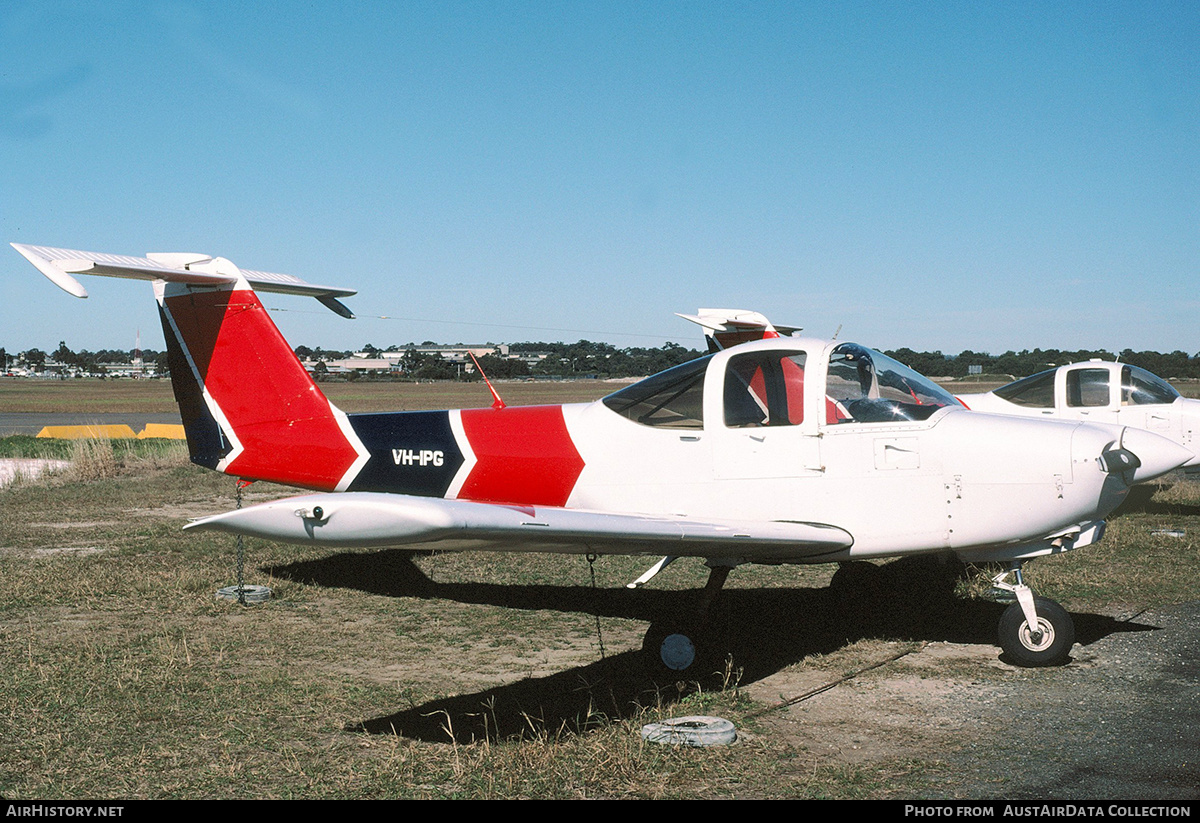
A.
pixel 779 450
pixel 1104 392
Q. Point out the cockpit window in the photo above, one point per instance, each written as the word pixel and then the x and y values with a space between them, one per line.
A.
pixel 1139 387
pixel 671 399
pixel 1035 391
pixel 764 389
pixel 1087 388
pixel 866 386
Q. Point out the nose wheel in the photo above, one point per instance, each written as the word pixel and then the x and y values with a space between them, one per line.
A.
pixel 1034 631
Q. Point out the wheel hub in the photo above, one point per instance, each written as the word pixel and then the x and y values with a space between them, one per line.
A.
pixel 677 652
pixel 1038 639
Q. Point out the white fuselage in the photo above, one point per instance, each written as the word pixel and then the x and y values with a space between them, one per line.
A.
pixel 957 480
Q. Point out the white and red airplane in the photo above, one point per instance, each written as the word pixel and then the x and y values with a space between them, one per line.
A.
pixel 778 450
pixel 1101 391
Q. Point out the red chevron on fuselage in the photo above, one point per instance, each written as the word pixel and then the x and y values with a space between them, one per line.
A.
pixel 523 455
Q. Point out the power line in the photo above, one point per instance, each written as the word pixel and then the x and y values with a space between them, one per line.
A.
pixel 489 325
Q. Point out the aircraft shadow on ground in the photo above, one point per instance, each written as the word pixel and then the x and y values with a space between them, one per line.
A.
pixel 764 630
pixel 1141 500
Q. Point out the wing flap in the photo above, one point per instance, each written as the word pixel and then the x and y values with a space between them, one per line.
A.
pixel 375 520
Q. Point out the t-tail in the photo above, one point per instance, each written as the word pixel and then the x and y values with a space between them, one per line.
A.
pixel 725 328
pixel 249 408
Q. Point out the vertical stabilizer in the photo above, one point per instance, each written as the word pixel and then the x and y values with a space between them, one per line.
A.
pixel 249 408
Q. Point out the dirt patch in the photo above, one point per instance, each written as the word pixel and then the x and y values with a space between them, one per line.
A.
pixel 1122 720
pixel 907 706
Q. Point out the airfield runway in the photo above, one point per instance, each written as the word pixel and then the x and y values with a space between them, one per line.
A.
pixel 31 423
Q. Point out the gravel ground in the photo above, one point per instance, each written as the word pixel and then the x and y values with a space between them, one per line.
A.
pixel 1120 722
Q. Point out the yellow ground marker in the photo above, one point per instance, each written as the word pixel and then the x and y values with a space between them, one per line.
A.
pixel 114 431
pixel 166 431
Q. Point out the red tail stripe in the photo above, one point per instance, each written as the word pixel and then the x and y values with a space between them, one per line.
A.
pixel 278 415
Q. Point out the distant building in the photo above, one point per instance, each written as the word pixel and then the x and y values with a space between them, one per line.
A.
pixel 392 362
pixel 459 353
pixel 355 365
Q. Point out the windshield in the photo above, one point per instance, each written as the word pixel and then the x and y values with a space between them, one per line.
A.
pixel 1140 387
pixel 867 386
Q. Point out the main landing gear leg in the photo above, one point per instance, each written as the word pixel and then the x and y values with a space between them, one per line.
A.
pixel 682 647
pixel 1034 631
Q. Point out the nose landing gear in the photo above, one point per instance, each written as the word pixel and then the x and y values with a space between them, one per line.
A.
pixel 1034 631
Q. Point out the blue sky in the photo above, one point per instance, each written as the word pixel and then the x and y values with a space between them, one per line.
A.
pixel 985 176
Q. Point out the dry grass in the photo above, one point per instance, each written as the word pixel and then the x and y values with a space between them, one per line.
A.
pixel 100 458
pixel 389 674
pixel 91 396
pixel 126 678
pixel 86 396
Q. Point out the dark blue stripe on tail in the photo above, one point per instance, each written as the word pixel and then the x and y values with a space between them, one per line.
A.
pixel 206 442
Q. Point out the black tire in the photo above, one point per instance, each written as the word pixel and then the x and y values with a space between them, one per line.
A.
pixel 1025 648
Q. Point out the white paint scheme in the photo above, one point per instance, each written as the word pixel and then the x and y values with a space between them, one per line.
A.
pixel 964 481
pixel 735 320
pixel 980 485
pixel 1177 420
pixel 173 267
pixel 373 519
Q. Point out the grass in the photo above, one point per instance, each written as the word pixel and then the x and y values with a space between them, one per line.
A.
pixel 126 678
pixel 94 396
pixel 381 674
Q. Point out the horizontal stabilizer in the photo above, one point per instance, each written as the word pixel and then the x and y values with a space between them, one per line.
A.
pixel 724 328
pixel 368 519
pixel 173 267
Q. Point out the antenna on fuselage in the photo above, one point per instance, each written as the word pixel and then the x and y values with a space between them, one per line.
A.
pixel 498 403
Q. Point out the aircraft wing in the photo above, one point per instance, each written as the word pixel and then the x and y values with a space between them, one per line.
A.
pixel 194 269
pixel 379 520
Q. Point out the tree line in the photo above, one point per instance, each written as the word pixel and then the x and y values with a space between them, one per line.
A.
pixel 586 358
pixel 92 362
pixel 1177 364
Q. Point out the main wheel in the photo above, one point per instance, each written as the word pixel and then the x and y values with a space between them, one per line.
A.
pixel 671 649
pixel 1047 644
